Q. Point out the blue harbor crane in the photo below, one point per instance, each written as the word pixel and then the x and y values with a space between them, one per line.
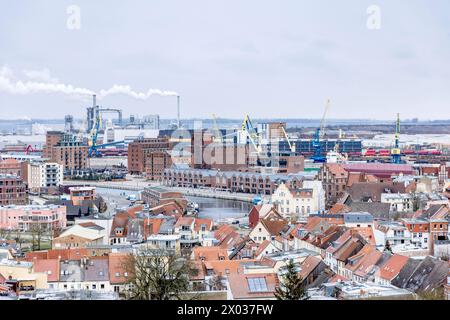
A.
pixel 318 157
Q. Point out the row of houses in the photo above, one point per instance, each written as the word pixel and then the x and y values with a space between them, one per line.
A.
pixel 233 181
pixel 66 270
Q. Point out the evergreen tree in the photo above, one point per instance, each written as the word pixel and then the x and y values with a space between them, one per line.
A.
pixel 292 286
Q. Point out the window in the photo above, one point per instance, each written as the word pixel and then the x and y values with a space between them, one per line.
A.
pixel 102 286
pixel 117 274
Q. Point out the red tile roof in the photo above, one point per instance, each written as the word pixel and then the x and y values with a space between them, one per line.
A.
pixel 48 266
pixel 225 267
pixel 209 253
pixel 117 262
pixel 392 267
pixel 199 222
pixel 308 266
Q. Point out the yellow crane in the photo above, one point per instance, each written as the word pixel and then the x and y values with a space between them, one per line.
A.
pixel 247 126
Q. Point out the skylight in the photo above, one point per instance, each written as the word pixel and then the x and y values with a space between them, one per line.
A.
pixel 257 285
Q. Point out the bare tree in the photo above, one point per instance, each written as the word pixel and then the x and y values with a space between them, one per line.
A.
pixel 216 283
pixel 18 238
pixel 5 233
pixel 102 205
pixel 155 274
pixel 37 231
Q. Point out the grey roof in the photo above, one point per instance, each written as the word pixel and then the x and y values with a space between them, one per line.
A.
pixel 96 270
pixel 135 230
pixel 167 225
pixel 71 271
pixel 358 217
pixel 377 209
pixel 422 275
pixel 76 211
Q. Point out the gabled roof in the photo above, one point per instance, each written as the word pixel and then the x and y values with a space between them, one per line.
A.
pixel 366 233
pixel 367 263
pixel 362 191
pixel 200 222
pixel 120 221
pixel 223 231
pixel 184 221
pixel 274 226
pixel 422 275
pixel 343 238
pixel 231 241
pixel 337 169
pixel 308 266
pixel 264 209
pixel 262 247
pixel 316 223
pixel 392 267
pixel 82 232
pixel 351 247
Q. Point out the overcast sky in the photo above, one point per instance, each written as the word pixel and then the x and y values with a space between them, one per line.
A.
pixel 231 57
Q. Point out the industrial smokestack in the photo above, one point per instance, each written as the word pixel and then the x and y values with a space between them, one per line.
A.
pixel 94 100
pixel 178 112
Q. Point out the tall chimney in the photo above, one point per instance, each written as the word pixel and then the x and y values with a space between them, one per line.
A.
pixel 94 100
pixel 178 111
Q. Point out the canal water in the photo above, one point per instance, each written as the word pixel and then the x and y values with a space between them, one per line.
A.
pixel 216 209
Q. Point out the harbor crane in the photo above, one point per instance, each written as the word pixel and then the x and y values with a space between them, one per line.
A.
pixel 217 134
pixel 93 137
pixel 253 135
pixel 318 136
pixel 291 145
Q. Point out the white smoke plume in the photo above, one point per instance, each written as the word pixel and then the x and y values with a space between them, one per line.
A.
pixel 126 90
pixel 40 76
pixel 42 82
